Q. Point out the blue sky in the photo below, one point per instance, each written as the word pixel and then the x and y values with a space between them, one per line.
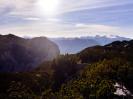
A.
pixel 66 18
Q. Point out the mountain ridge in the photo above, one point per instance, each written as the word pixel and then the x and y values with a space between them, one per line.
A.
pixel 19 54
pixel 75 45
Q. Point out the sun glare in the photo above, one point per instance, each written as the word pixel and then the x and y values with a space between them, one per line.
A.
pixel 48 7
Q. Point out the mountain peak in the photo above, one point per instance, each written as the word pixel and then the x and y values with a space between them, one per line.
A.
pixel 19 54
pixel 11 36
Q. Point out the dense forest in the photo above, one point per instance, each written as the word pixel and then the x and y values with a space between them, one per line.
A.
pixel 89 74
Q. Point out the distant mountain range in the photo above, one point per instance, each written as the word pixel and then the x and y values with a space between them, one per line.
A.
pixel 74 45
pixel 19 54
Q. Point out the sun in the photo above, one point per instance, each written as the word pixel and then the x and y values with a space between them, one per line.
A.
pixel 48 7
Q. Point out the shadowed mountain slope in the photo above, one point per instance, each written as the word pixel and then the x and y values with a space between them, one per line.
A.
pixel 19 54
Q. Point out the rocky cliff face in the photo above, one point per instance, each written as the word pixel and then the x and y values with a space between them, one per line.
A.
pixel 19 54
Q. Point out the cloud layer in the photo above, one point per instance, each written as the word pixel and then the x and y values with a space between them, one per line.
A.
pixel 73 18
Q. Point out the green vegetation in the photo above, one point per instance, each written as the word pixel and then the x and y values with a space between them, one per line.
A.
pixel 90 74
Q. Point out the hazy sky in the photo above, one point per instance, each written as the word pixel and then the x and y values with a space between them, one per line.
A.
pixel 66 18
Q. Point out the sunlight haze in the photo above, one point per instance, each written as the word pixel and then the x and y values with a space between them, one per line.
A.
pixel 66 18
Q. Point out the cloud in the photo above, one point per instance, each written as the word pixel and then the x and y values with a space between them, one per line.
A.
pixel 51 29
pixel 28 7
pixel 54 20
pixel 18 8
pixel 99 29
pixel 32 18
pixel 96 28
pixel 74 18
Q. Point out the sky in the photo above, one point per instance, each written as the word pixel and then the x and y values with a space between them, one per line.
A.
pixel 66 18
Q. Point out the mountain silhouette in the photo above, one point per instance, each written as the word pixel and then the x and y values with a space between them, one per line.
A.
pixel 19 54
